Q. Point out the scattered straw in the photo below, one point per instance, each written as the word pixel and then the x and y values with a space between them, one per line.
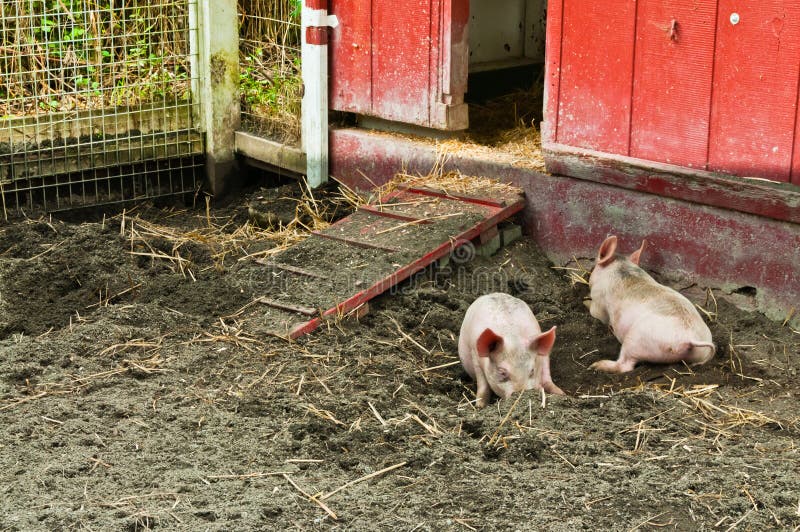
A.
pixel 553 448
pixel 419 221
pixel 324 414
pixel 716 415
pixel 377 415
pixel 311 498
pixel 450 182
pixel 577 274
pixel 789 316
pixel 362 479
pixel 646 522
pixel 257 474
pixel 494 436
pixel 504 129
pixel 440 366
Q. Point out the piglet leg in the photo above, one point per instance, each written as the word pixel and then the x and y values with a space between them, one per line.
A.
pixel 551 388
pixel 623 364
pixel 484 393
pixel 547 380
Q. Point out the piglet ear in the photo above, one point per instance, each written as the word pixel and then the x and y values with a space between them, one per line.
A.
pixel 606 253
pixel 488 343
pixel 543 343
pixel 636 255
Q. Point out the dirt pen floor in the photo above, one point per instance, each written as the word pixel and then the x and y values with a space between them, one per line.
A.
pixel 138 390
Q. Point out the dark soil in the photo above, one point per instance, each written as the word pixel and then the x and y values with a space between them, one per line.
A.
pixel 135 395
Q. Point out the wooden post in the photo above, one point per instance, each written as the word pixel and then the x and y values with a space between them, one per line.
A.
pixel 315 23
pixel 218 88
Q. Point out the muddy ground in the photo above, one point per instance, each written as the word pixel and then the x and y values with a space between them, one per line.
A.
pixel 138 391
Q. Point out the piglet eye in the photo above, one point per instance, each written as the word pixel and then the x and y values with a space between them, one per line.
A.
pixel 502 374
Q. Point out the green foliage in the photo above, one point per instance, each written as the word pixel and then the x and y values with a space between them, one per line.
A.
pixel 297 9
pixel 67 54
pixel 274 93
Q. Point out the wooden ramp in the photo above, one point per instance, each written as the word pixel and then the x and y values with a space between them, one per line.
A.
pixel 338 270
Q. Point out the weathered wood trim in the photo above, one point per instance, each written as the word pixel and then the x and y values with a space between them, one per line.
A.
pixel 780 201
pixel 100 154
pixel 270 152
pixel 143 119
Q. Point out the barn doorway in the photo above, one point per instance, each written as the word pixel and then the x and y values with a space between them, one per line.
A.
pixel 506 76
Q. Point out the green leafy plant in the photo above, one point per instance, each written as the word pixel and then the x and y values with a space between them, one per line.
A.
pixel 94 53
pixel 297 9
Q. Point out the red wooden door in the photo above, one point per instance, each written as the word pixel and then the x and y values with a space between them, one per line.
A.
pixel 596 57
pixel 672 84
pixel 754 102
pixel 401 60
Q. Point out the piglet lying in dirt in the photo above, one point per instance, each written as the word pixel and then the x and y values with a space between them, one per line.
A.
pixel 654 323
pixel 503 348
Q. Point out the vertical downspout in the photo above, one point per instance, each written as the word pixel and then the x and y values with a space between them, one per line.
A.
pixel 314 54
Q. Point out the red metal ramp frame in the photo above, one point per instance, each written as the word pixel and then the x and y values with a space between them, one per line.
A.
pixel 481 214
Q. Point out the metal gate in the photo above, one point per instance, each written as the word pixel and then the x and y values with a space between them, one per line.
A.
pixel 269 67
pixel 98 102
pixel 270 85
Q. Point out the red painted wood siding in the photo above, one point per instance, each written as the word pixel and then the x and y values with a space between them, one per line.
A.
pixel 596 74
pixel 672 84
pixel 401 60
pixel 352 42
pixel 674 81
pixel 796 152
pixel 755 88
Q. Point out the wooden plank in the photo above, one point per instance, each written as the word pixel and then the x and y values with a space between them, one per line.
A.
pixel 672 81
pixel 289 268
pixel 404 272
pixel 755 88
pixel 596 74
pixel 306 311
pixel 449 65
pixel 795 172
pixel 144 119
pixel 380 211
pixel 270 152
pixel 354 242
pixel 351 56
pixel 764 198
pixel 401 47
pixel 97 155
pixel 454 197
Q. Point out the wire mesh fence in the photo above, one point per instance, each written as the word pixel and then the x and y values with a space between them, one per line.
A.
pixel 270 75
pixel 96 102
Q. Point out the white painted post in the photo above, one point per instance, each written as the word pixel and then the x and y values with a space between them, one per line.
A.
pixel 315 22
pixel 218 86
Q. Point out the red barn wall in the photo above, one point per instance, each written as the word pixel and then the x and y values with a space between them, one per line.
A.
pixel 706 84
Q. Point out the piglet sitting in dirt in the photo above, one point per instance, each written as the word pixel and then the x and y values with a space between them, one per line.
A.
pixel 503 348
pixel 654 323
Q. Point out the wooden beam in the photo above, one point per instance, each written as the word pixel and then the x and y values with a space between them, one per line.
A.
pixel 270 152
